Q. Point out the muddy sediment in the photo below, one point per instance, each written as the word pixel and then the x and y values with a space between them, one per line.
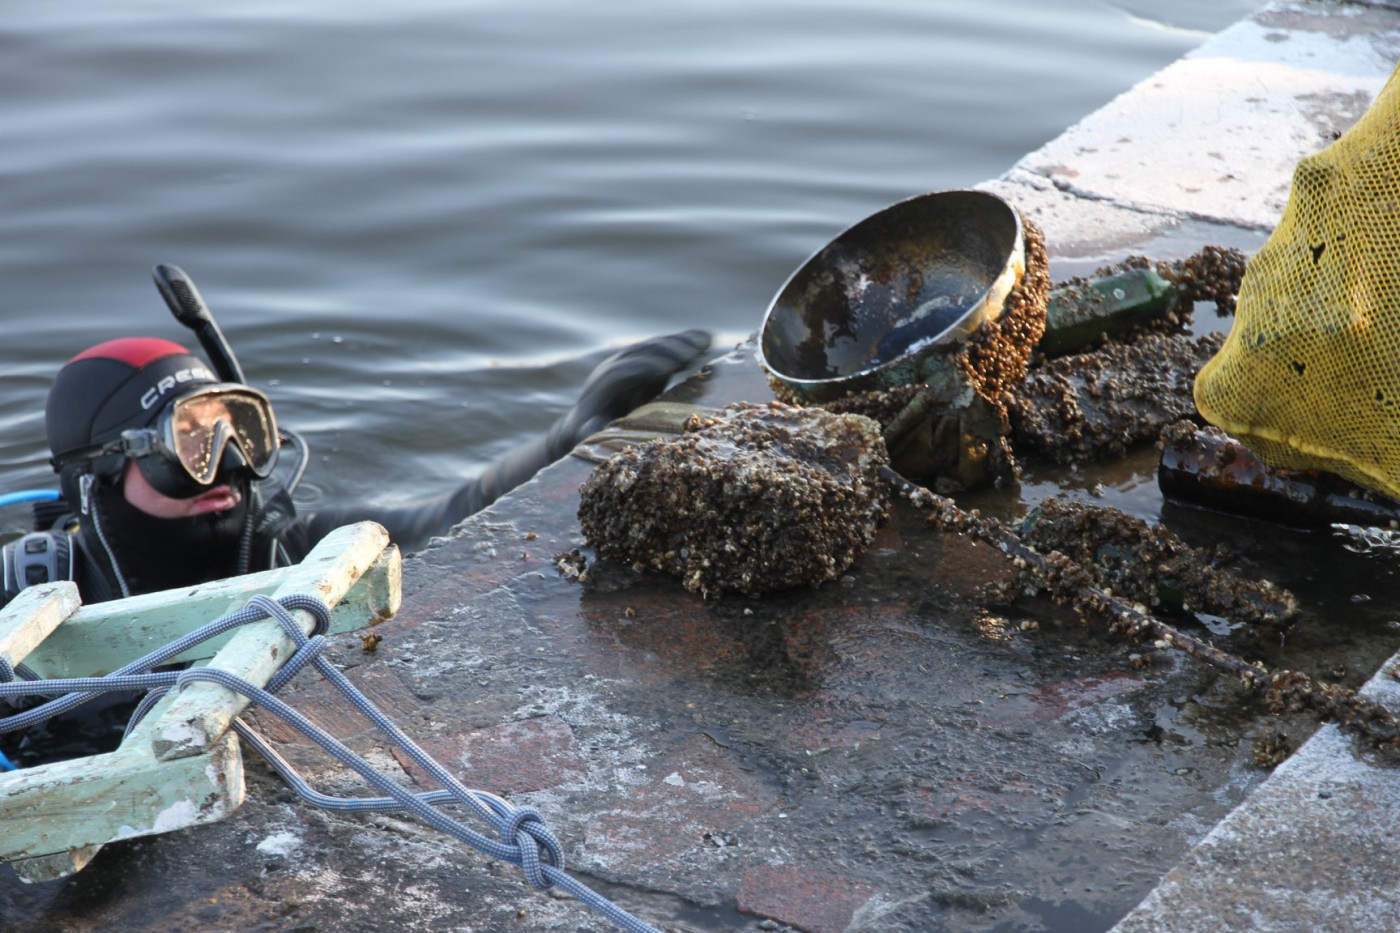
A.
pixel 1214 273
pixel 1082 408
pixel 1096 404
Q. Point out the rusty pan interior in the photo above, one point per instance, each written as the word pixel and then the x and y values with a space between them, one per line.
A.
pixel 866 309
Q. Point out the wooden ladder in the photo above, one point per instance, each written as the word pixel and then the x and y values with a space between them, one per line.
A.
pixel 181 765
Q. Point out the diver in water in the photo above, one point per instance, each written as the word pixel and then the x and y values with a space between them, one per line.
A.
pixel 166 470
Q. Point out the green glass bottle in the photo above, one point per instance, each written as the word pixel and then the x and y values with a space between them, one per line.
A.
pixel 1078 314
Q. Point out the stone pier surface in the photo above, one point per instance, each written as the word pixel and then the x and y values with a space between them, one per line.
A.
pixel 1314 848
pixel 880 754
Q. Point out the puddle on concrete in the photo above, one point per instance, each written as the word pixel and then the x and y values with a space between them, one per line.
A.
pixel 1173 242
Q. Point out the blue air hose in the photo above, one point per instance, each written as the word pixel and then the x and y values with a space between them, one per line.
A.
pixel 28 495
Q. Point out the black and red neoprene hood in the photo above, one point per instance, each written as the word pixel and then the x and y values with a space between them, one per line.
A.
pixel 115 386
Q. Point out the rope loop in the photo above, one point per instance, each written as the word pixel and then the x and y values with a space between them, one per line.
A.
pixel 525 830
pixel 281 609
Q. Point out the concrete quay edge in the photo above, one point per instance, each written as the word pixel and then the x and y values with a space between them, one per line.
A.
pixel 1213 137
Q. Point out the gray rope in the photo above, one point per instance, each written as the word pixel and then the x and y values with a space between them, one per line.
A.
pixel 9 672
pixel 523 839
pixel 77 696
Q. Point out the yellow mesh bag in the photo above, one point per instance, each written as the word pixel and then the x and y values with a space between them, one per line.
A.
pixel 1309 377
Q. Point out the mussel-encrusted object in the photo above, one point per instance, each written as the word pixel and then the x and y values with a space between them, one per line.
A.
pixel 760 498
pixel 1095 405
pixel 1149 564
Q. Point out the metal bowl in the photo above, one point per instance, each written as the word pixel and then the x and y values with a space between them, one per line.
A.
pixel 882 302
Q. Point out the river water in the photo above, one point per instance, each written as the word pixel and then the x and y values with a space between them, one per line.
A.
pixel 421 222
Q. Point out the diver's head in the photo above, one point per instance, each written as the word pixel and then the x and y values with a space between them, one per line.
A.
pixel 151 403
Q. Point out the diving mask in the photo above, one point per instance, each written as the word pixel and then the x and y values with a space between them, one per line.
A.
pixel 199 433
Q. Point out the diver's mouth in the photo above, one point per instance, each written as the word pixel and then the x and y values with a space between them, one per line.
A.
pixel 218 499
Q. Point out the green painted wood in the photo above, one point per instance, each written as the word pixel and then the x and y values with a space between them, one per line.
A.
pixel 33 615
pixel 53 867
pixel 100 638
pixel 51 810
pixel 202 711
pixel 57 816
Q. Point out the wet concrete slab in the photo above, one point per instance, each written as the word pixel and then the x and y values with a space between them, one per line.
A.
pixel 888 752
pixel 881 753
pixel 1214 136
pixel 1313 849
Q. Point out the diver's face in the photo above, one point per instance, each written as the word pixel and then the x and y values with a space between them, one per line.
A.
pixel 194 430
pixel 142 495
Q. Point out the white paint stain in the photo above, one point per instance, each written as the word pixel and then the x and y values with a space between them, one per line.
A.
pixel 178 815
pixel 283 843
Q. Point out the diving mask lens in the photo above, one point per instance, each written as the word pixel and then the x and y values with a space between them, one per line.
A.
pixel 200 426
